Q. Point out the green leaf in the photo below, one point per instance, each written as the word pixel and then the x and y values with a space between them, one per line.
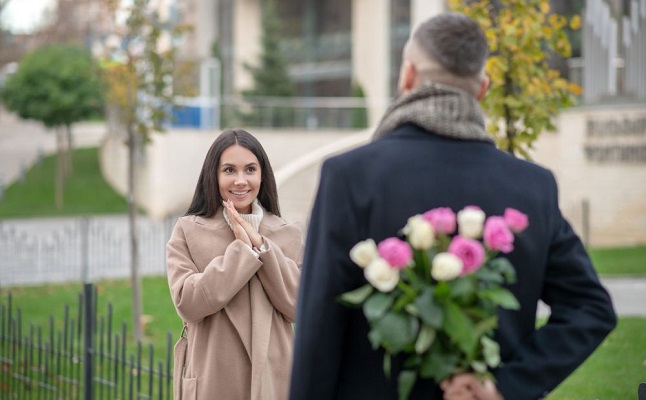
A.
pixel 438 365
pixel 397 331
pixel 486 325
pixel 425 339
pixel 412 310
pixel 463 288
pixel 479 366
pixel 357 296
pixel 489 275
pixel 377 305
pixel 502 297
pixel 442 290
pixel 460 328
pixel 409 292
pixel 504 267
pixel 405 383
pixel 387 365
pixel 490 351
pixel 429 310
pixel 375 338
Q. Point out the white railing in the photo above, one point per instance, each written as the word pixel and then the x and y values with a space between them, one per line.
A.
pixel 77 249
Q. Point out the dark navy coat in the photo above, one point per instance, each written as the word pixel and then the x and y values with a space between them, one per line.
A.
pixel 370 192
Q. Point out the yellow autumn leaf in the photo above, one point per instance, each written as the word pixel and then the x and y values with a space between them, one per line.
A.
pixel 575 22
pixel 547 31
pixel 545 6
pixel 491 37
pixel 575 89
pixel 560 83
pixel 491 64
pixel 557 21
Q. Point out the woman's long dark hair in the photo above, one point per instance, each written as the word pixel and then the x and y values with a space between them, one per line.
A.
pixel 207 199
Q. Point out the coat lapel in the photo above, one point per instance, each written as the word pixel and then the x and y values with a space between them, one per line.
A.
pixel 262 312
pixel 239 314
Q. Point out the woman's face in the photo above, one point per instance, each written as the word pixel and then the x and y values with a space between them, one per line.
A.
pixel 239 177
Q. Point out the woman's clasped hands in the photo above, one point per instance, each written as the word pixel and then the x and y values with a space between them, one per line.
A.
pixel 242 229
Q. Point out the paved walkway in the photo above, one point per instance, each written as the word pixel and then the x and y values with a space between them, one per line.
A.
pixel 628 295
pixel 21 142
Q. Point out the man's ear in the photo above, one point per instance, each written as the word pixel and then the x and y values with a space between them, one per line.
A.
pixel 484 85
pixel 407 76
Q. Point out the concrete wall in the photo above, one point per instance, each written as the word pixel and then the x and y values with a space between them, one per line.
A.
pixel 610 176
pixel 615 190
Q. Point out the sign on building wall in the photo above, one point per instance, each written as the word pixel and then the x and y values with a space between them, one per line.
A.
pixel 616 140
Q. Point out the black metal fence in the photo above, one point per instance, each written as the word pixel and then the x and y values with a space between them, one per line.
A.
pixel 86 359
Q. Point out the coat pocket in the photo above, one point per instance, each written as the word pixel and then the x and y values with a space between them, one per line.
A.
pixel 189 388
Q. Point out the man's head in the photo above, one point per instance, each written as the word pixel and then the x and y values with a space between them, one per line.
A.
pixel 449 48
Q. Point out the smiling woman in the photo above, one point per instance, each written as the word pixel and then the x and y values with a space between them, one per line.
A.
pixel 239 177
pixel 233 272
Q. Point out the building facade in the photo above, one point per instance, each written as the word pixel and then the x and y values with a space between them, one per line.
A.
pixel 330 46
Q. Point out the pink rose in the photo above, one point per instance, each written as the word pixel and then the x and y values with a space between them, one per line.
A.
pixel 497 235
pixel 442 219
pixel 516 220
pixel 470 251
pixel 396 252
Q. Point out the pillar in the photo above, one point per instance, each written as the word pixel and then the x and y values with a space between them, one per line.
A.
pixel 247 27
pixel 421 10
pixel 371 53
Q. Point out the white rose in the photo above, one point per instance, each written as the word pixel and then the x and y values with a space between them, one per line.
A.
pixel 470 222
pixel 381 275
pixel 446 266
pixel 364 252
pixel 420 233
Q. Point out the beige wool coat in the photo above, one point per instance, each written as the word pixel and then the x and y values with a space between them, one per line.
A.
pixel 238 308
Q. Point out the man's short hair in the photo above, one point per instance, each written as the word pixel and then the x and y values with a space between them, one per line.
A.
pixel 455 41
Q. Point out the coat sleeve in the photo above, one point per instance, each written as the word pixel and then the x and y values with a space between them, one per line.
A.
pixel 327 273
pixel 281 274
pixel 198 294
pixel 582 315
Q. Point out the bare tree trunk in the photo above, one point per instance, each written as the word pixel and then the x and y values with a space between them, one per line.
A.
pixel 60 168
pixel 68 151
pixel 510 128
pixel 132 219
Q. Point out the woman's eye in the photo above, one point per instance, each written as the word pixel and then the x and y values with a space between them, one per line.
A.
pixel 228 170
pixel 251 169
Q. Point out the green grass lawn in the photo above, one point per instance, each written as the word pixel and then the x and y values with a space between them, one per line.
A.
pixel 612 372
pixel 86 192
pixel 620 261
pixel 157 306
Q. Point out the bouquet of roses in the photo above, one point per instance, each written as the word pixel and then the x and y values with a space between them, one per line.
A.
pixel 438 291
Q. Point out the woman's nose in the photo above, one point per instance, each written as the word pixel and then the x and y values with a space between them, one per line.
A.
pixel 240 179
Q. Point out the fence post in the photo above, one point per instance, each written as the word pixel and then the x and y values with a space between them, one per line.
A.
pixel 88 330
pixel 85 264
pixel 585 209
